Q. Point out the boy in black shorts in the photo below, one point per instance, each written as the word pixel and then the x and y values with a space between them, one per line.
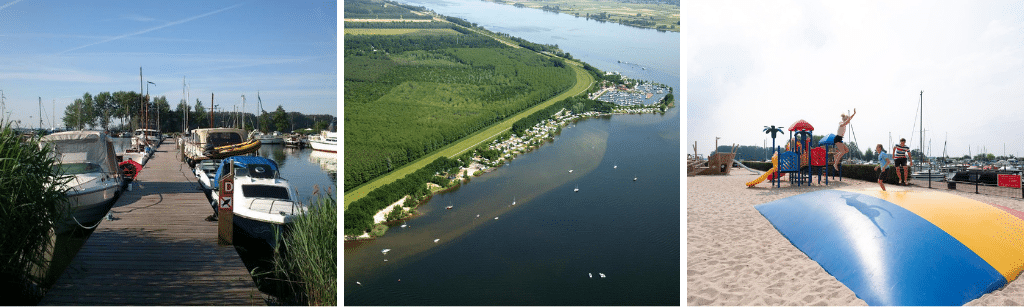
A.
pixel 903 160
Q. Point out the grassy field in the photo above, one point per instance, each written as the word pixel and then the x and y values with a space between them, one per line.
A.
pixel 583 82
pixel 661 14
pixel 401 32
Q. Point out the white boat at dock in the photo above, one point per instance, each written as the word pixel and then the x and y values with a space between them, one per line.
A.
pixel 88 158
pixel 153 137
pixel 265 205
pixel 325 141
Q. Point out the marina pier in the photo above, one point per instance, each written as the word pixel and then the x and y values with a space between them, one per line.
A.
pixel 156 248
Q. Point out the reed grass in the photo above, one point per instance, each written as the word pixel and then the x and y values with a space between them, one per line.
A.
pixel 31 203
pixel 311 250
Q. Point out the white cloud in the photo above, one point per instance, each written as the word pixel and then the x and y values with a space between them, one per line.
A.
pixel 751 64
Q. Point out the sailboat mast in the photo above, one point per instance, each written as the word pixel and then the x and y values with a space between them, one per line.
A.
pixel 922 127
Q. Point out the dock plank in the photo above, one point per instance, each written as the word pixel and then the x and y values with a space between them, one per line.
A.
pixel 158 249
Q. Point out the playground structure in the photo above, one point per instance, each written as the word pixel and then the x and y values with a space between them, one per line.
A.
pixel 799 160
pixel 719 163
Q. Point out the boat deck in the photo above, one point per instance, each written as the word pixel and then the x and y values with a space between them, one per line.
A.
pixel 158 249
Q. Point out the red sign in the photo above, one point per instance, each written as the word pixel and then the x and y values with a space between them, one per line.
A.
pixel 227 191
pixel 1010 181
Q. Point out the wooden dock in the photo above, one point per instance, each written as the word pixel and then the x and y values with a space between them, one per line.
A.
pixel 158 249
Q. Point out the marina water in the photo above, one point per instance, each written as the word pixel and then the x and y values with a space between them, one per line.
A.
pixel 540 251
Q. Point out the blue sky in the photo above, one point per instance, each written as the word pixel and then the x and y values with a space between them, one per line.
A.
pixel 59 50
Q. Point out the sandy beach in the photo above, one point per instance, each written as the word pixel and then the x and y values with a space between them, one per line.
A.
pixel 734 256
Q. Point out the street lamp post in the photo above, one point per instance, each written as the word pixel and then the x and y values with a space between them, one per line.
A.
pixel 147 108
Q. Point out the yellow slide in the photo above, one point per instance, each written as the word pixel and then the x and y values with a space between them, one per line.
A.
pixel 775 166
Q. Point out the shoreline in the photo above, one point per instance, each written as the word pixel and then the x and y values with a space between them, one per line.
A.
pixel 513 146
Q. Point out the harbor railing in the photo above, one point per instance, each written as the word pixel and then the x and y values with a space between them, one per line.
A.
pixel 998 183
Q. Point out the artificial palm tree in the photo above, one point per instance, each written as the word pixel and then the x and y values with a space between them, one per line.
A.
pixel 774 131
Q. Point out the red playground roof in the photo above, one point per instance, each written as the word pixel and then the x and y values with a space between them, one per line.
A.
pixel 801 125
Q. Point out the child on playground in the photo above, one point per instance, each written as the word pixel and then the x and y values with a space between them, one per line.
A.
pixel 884 160
pixel 841 148
pixel 903 160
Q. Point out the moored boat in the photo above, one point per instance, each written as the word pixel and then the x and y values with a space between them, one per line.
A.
pixel 201 140
pixel 152 136
pixel 325 141
pixel 264 203
pixel 88 158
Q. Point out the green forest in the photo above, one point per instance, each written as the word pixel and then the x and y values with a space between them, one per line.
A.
pixel 123 110
pixel 370 9
pixel 408 95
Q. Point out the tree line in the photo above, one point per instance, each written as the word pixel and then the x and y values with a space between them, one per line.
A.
pixel 127 110
pixel 381 10
pixel 359 214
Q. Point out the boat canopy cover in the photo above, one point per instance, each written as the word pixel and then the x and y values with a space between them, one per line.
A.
pixel 255 165
pixel 83 147
pixel 218 136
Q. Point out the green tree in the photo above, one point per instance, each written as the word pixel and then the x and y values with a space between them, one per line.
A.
pixel 868 155
pixel 104 105
pixel 181 109
pixel 281 119
pixel 199 115
pixel 160 113
pixel 320 126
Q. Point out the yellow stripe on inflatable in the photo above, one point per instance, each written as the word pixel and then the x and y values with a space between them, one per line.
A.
pixel 995 235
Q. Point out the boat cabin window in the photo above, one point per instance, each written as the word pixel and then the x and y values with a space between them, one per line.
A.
pixel 264 191
pixel 77 168
pixel 261 171
pixel 223 138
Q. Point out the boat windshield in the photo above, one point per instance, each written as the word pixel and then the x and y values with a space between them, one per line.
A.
pixel 77 168
pixel 223 138
pixel 265 191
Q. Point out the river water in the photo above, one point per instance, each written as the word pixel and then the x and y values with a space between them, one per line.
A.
pixel 540 251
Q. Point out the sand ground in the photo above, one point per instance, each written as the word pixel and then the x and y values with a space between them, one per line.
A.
pixel 734 256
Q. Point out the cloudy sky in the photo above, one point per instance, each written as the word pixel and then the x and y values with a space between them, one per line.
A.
pixel 57 51
pixel 756 63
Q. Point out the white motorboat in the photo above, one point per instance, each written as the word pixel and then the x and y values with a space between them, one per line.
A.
pixel 264 203
pixel 577 188
pixel 138 153
pixel 274 138
pixel 294 140
pixel 205 171
pixel 88 158
pixel 152 136
pixel 325 141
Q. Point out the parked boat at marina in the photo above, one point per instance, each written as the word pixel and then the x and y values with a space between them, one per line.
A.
pixel 203 140
pixel 153 137
pixel 273 138
pixel 294 140
pixel 88 158
pixel 325 141
pixel 264 203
